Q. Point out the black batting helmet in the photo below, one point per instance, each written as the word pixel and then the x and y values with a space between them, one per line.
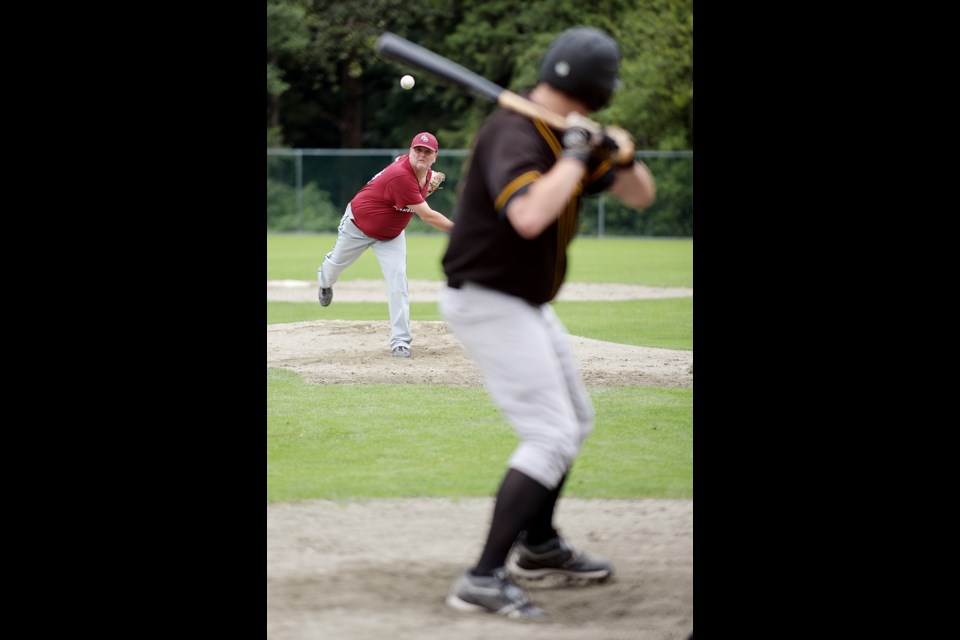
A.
pixel 583 62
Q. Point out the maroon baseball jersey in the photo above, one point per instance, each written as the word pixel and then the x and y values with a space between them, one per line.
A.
pixel 380 208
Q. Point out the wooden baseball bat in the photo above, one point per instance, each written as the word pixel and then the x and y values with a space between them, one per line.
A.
pixel 393 46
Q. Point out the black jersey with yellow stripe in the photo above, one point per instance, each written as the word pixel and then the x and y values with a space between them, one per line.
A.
pixel 509 153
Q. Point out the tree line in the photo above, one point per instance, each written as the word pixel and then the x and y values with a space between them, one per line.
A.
pixel 328 88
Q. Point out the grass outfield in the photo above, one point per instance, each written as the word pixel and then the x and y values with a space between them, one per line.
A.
pixel 667 323
pixel 366 441
pixel 342 442
pixel 655 262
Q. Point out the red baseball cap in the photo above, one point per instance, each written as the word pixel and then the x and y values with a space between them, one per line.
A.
pixel 425 139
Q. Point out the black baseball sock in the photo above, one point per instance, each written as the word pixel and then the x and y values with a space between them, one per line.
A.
pixel 519 499
pixel 541 527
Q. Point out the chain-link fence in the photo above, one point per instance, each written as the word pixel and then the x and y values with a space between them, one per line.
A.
pixel 308 190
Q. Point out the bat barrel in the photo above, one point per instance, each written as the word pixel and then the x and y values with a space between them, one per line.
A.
pixel 402 50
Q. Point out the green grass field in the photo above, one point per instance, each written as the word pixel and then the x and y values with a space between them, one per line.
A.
pixel 656 262
pixel 364 441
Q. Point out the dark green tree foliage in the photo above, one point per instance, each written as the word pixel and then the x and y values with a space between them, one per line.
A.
pixel 337 81
pixel 287 39
pixel 316 212
pixel 328 88
pixel 312 209
pixel 670 215
pixel 656 101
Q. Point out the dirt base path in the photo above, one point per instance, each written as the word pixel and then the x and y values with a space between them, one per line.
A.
pixel 427 291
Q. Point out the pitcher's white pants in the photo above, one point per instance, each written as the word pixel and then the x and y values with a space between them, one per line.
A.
pixel 392 256
pixel 529 369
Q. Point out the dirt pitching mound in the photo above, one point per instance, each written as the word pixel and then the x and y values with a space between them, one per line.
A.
pixel 350 352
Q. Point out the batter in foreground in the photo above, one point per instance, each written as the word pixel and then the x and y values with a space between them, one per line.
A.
pixel 505 262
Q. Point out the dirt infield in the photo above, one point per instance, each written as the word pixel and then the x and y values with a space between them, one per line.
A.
pixel 379 569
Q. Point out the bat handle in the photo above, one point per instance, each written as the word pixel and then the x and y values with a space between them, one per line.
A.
pixel 514 102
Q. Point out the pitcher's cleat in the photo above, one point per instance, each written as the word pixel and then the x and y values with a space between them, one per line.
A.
pixel 326 296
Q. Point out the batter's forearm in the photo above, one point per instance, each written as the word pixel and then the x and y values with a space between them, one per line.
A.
pixel 532 212
pixel 635 186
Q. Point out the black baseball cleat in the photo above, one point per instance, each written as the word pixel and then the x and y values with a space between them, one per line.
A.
pixel 495 594
pixel 556 557
pixel 326 296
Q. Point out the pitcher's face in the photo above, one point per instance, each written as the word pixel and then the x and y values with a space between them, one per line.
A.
pixel 422 158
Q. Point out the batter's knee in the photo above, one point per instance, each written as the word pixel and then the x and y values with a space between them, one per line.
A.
pixel 546 462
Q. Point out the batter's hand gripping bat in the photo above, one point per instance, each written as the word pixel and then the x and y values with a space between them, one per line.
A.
pixel 402 50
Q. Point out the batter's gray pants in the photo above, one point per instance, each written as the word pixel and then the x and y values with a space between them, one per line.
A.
pixel 392 256
pixel 528 366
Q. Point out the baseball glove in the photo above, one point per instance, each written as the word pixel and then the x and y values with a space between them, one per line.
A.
pixel 435 180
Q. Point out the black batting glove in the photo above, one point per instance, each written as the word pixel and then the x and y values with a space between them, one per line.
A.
pixel 581 138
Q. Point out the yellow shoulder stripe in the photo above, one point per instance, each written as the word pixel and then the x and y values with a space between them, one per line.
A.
pixel 515 185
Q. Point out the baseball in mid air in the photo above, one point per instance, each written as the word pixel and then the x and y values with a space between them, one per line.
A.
pixel 407 82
